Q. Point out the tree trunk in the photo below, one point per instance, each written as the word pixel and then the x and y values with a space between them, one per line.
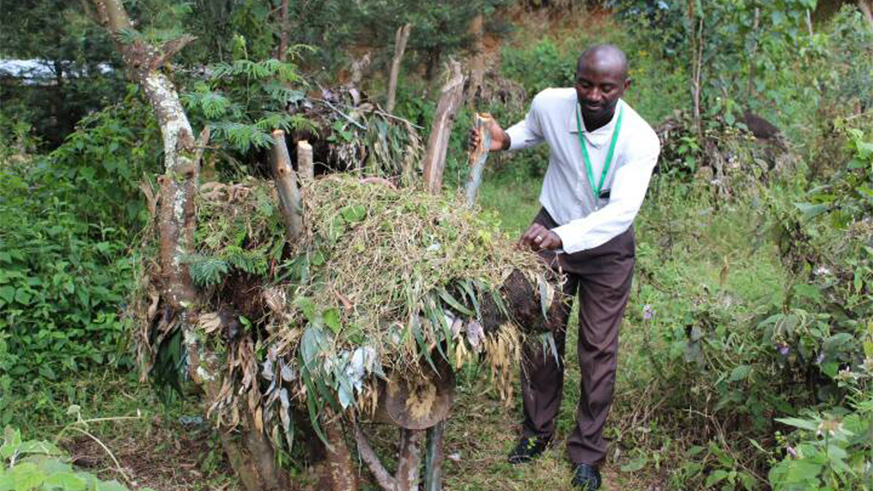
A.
pixel 407 476
pixel 866 7
pixel 284 31
pixel 441 130
pixel 477 61
pixel 696 79
pixel 400 40
pixel 252 457
pixel 290 203
pixel 338 458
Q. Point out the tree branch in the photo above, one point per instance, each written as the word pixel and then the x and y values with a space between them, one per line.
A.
pixel 385 480
pixel 400 39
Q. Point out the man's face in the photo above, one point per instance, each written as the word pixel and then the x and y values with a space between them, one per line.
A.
pixel 598 89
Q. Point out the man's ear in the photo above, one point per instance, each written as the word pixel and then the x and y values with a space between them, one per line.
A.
pixel 627 83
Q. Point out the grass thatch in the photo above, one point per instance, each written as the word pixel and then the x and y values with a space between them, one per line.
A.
pixel 383 281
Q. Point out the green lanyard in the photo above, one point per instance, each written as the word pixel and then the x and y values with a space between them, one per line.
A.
pixel 587 159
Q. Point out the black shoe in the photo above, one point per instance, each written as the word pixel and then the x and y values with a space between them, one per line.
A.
pixel 586 477
pixel 528 448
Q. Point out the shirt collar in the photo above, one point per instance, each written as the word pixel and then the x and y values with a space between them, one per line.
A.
pixel 607 128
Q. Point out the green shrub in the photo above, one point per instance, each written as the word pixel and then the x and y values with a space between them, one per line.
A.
pixel 41 466
pixel 62 281
pixel 65 271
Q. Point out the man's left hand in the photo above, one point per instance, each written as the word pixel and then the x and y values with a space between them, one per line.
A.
pixel 538 237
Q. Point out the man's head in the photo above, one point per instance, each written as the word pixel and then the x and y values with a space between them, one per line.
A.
pixel 601 79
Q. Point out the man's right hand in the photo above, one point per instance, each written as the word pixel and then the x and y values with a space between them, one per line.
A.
pixel 499 138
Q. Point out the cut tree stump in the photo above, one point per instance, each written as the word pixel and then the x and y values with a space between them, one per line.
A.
pixel 290 203
pixel 443 120
pixel 305 168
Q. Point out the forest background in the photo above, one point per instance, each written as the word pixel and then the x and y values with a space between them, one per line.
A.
pixel 747 352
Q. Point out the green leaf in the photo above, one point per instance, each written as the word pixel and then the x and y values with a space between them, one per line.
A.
pixel 778 17
pixel 803 424
pixel 810 210
pixel 23 297
pixel 715 478
pixel 66 480
pixel 306 306
pixel 25 477
pixel 7 293
pixel 635 465
pixel 354 213
pixel 740 373
pixel 810 292
pixel 331 319
pixel 454 303
pixel 803 471
pixel 112 485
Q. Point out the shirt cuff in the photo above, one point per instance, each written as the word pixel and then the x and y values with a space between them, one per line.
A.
pixel 566 233
pixel 516 137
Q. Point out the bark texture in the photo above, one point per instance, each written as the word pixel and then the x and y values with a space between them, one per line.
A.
pixel 284 31
pixel 409 460
pixel 866 7
pixel 443 120
pixel 477 60
pixel 400 39
pixel 338 458
pixel 290 203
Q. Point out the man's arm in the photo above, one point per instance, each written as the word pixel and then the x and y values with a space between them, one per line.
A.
pixel 628 191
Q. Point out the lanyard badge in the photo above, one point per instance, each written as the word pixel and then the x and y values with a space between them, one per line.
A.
pixel 588 169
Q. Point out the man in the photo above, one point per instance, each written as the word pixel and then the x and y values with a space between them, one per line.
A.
pixel 602 154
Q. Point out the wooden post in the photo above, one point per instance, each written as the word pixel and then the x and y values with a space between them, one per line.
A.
pixel 433 461
pixel 290 203
pixel 400 39
pixel 443 120
pixel 409 460
pixel 305 168
pixel 478 156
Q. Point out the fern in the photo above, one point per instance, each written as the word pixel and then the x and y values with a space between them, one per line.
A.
pixel 251 262
pixel 281 93
pixel 213 104
pixel 242 136
pixel 206 271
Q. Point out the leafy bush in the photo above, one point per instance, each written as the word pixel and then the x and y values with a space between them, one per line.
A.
pixel 61 283
pixel 64 266
pixel 41 466
pixel 831 450
pixel 243 100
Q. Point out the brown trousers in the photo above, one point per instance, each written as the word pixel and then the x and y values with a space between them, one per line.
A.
pixel 602 277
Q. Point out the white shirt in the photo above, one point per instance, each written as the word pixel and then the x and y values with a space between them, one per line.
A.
pixel 585 222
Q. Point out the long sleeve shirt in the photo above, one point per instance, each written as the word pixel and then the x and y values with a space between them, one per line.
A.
pixel 586 221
